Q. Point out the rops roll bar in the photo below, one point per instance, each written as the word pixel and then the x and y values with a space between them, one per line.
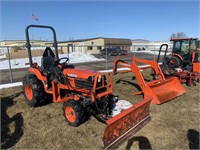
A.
pixel 28 45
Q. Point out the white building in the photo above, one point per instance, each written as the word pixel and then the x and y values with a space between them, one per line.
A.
pixel 141 44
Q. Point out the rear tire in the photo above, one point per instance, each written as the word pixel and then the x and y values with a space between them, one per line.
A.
pixel 34 90
pixel 174 62
pixel 74 113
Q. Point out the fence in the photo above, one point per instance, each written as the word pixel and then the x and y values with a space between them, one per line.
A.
pixel 14 61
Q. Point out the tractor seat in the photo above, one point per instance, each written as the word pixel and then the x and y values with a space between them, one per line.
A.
pixel 48 61
pixel 50 68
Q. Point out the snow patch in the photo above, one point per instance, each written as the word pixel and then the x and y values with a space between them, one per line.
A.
pixel 75 57
pixel 9 85
pixel 151 52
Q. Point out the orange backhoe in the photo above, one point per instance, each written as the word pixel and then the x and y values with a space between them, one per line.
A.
pixel 83 93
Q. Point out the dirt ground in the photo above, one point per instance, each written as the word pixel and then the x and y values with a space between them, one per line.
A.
pixel 174 125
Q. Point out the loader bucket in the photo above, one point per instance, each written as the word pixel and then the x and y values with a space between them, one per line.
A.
pixel 123 125
pixel 165 90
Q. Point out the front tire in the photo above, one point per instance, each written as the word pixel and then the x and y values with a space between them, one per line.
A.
pixel 73 112
pixel 33 90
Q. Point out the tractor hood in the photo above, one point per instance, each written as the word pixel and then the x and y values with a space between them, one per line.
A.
pixel 79 73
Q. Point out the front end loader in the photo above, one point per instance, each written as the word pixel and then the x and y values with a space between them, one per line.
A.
pixel 159 88
pixel 83 93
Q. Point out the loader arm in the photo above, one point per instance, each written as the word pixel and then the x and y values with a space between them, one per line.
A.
pixel 120 63
pixel 137 70
pixel 160 89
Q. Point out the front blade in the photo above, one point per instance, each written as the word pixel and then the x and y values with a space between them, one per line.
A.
pixel 126 123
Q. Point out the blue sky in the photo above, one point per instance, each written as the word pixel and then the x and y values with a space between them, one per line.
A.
pixel 152 20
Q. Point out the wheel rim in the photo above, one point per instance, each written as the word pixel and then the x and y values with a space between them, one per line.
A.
pixel 29 92
pixel 70 114
pixel 173 61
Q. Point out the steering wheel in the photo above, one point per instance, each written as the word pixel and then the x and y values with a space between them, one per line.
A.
pixel 63 63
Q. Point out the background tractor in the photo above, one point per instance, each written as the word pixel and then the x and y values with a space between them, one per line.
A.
pixel 184 60
pixel 83 93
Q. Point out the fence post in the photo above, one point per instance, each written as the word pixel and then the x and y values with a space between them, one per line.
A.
pixel 68 51
pixel 10 69
pixel 154 54
pixel 106 59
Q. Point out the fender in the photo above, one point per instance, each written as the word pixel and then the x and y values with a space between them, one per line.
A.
pixel 42 78
pixel 179 56
pixel 37 73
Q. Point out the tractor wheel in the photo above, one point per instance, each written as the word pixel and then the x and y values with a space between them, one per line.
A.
pixel 33 90
pixel 174 62
pixel 74 113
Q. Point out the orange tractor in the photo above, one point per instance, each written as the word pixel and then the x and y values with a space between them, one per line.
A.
pixel 83 93
pixel 184 60
pixel 159 88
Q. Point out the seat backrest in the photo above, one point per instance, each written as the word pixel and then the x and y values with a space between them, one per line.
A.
pixel 48 61
pixel 48 52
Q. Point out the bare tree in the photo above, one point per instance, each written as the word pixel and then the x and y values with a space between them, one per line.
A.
pixel 178 35
pixel 173 36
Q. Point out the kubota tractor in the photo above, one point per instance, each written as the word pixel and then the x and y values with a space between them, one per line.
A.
pixel 184 60
pixel 84 93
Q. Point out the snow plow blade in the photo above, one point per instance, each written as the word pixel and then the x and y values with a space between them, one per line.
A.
pixel 123 125
pixel 165 91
